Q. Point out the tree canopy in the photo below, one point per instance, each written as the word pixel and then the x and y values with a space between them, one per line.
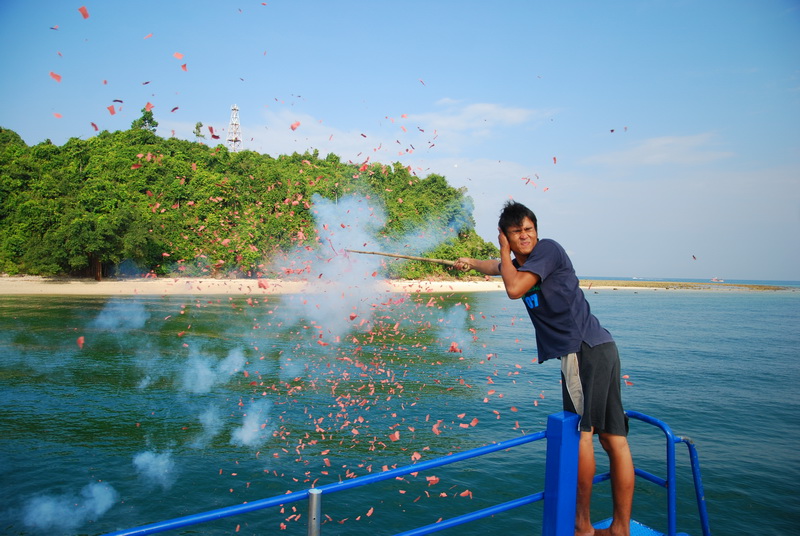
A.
pixel 131 201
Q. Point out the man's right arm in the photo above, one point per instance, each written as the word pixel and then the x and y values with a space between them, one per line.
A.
pixel 484 266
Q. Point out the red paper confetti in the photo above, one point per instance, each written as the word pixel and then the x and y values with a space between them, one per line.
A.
pixel 295 125
pixel 136 166
pixel 184 67
pixel 80 342
pixel 174 109
pixel 111 109
pixel 54 76
pixel 178 55
pixel 57 115
pixel 84 12
pixel 148 36
pixel 149 106
pixel 95 127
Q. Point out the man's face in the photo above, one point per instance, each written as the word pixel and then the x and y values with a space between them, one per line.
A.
pixel 522 238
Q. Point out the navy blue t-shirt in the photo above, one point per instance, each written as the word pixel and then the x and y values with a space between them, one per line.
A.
pixel 557 307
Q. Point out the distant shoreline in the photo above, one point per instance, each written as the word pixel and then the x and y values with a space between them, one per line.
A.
pixel 56 286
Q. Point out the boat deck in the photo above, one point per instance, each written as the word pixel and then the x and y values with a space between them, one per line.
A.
pixel 637 529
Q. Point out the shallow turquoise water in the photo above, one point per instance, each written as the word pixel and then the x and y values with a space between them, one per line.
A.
pixel 178 405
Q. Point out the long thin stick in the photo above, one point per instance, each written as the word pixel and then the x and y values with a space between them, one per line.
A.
pixel 409 257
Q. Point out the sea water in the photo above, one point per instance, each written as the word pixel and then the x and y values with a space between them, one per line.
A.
pixel 122 411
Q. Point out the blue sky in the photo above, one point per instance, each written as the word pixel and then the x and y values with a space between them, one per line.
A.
pixel 642 133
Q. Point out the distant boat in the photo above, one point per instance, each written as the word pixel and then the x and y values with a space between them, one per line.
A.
pixel 717 280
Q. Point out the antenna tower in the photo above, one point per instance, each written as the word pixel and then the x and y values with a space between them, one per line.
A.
pixel 234 132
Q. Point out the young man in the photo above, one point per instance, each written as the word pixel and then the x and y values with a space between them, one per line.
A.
pixel 542 275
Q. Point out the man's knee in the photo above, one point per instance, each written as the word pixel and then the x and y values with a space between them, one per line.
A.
pixel 613 442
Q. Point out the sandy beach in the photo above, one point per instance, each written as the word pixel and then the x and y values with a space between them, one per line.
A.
pixel 44 286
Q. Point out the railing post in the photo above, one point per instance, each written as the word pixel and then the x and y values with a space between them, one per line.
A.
pixel 561 474
pixel 314 511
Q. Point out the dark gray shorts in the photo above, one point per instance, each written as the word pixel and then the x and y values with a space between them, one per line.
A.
pixel 590 385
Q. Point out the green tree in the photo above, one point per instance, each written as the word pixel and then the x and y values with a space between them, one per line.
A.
pixel 146 122
pixel 176 206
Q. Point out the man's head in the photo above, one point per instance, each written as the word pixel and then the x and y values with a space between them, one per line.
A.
pixel 513 214
pixel 518 224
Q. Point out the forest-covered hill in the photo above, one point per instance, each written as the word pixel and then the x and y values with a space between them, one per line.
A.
pixel 131 202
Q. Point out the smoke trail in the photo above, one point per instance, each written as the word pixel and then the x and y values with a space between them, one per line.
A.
pixel 198 375
pixel 68 512
pixel 211 420
pixel 290 364
pixel 454 326
pixel 254 430
pixel 201 373
pixel 343 287
pixel 456 217
pixel 233 363
pixel 155 468
pixel 121 315
pixel 338 283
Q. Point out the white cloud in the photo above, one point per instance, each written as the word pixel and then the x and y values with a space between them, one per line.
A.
pixel 476 117
pixel 452 128
pixel 691 150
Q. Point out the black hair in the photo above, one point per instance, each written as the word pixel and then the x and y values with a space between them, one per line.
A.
pixel 513 213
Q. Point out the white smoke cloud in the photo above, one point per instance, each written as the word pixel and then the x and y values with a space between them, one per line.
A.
pixel 202 373
pixel 121 315
pixel 339 283
pixel 211 420
pixel 155 468
pixel 68 512
pixel 232 364
pixel 255 429
pixel 199 375
pixel 344 286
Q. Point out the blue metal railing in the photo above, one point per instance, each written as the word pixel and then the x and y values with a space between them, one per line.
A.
pixel 561 473
pixel 670 483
